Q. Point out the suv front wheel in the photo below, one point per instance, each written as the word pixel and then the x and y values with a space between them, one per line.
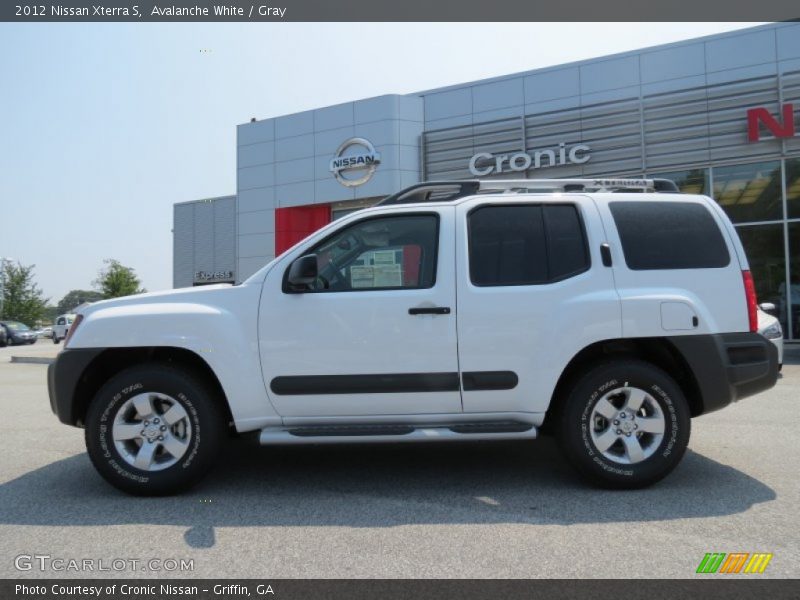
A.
pixel 154 430
pixel 625 424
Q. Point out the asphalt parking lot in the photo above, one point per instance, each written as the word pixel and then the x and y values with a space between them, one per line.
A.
pixel 477 510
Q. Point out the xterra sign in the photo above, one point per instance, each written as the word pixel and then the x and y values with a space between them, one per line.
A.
pixel 355 162
pixel 484 163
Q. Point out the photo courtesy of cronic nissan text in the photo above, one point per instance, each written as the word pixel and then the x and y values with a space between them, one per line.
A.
pixel 353 300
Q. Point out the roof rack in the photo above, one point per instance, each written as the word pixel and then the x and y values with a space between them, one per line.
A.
pixel 448 191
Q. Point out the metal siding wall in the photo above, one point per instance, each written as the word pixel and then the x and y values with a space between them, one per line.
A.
pixel 676 128
pixel 613 131
pixel 204 238
pixel 225 234
pixel 697 125
pixel 182 245
pixel 727 116
pixel 791 94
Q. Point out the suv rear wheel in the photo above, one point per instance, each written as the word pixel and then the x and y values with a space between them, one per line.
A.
pixel 625 424
pixel 154 430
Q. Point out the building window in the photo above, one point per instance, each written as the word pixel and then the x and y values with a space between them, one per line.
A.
pixel 793 188
pixel 751 192
pixel 794 277
pixel 764 247
pixel 693 181
pixel 526 245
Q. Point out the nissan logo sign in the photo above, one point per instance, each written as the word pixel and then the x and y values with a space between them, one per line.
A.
pixel 354 162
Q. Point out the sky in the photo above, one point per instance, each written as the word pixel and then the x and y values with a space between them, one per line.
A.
pixel 106 126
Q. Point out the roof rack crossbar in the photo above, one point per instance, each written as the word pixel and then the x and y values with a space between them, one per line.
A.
pixel 448 191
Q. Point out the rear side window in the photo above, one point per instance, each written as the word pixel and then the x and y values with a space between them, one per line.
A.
pixel 669 235
pixel 525 244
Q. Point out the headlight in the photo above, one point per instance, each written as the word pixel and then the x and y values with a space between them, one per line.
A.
pixel 773 332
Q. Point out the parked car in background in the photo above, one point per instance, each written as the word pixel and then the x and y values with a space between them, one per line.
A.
pixel 45 332
pixel 3 337
pixel 18 333
pixel 770 328
pixel 61 327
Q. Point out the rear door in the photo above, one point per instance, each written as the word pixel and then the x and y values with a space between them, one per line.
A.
pixel 532 292
pixel 675 266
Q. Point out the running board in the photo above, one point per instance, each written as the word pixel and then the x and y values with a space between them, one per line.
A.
pixel 340 434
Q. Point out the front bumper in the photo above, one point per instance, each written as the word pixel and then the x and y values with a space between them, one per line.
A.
pixel 63 378
pixel 728 367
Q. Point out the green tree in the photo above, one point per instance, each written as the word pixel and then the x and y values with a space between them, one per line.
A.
pixel 22 299
pixel 50 314
pixel 117 280
pixel 76 298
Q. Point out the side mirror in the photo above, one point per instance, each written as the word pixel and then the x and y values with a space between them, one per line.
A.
pixel 303 271
pixel 767 307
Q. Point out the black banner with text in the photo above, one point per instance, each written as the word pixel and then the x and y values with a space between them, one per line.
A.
pixel 404 10
pixel 731 588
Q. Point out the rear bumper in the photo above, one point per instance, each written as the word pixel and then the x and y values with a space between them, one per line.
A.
pixel 63 377
pixel 729 366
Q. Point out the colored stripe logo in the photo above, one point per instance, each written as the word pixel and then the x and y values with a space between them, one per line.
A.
pixel 734 563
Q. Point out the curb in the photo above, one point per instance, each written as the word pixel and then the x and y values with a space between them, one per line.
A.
pixel 32 360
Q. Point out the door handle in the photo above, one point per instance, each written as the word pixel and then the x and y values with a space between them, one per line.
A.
pixel 605 254
pixel 432 310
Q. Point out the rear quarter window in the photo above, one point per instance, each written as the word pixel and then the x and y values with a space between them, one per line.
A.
pixel 669 235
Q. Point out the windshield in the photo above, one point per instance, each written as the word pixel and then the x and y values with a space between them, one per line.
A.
pixel 16 326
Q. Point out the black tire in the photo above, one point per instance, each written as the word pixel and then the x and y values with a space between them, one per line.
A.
pixel 55 338
pixel 574 424
pixel 204 413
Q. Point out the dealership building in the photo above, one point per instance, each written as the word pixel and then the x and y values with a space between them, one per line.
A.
pixel 719 115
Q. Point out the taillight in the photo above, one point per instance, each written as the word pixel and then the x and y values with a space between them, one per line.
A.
pixel 72 329
pixel 752 302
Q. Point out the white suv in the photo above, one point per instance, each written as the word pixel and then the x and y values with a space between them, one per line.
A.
pixel 481 310
pixel 61 327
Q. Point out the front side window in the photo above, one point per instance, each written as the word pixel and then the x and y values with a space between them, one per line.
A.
pixel 526 244
pixel 397 252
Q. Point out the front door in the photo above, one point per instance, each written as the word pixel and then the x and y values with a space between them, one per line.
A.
pixel 375 334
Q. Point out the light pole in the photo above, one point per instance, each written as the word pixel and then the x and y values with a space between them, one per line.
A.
pixel 3 260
